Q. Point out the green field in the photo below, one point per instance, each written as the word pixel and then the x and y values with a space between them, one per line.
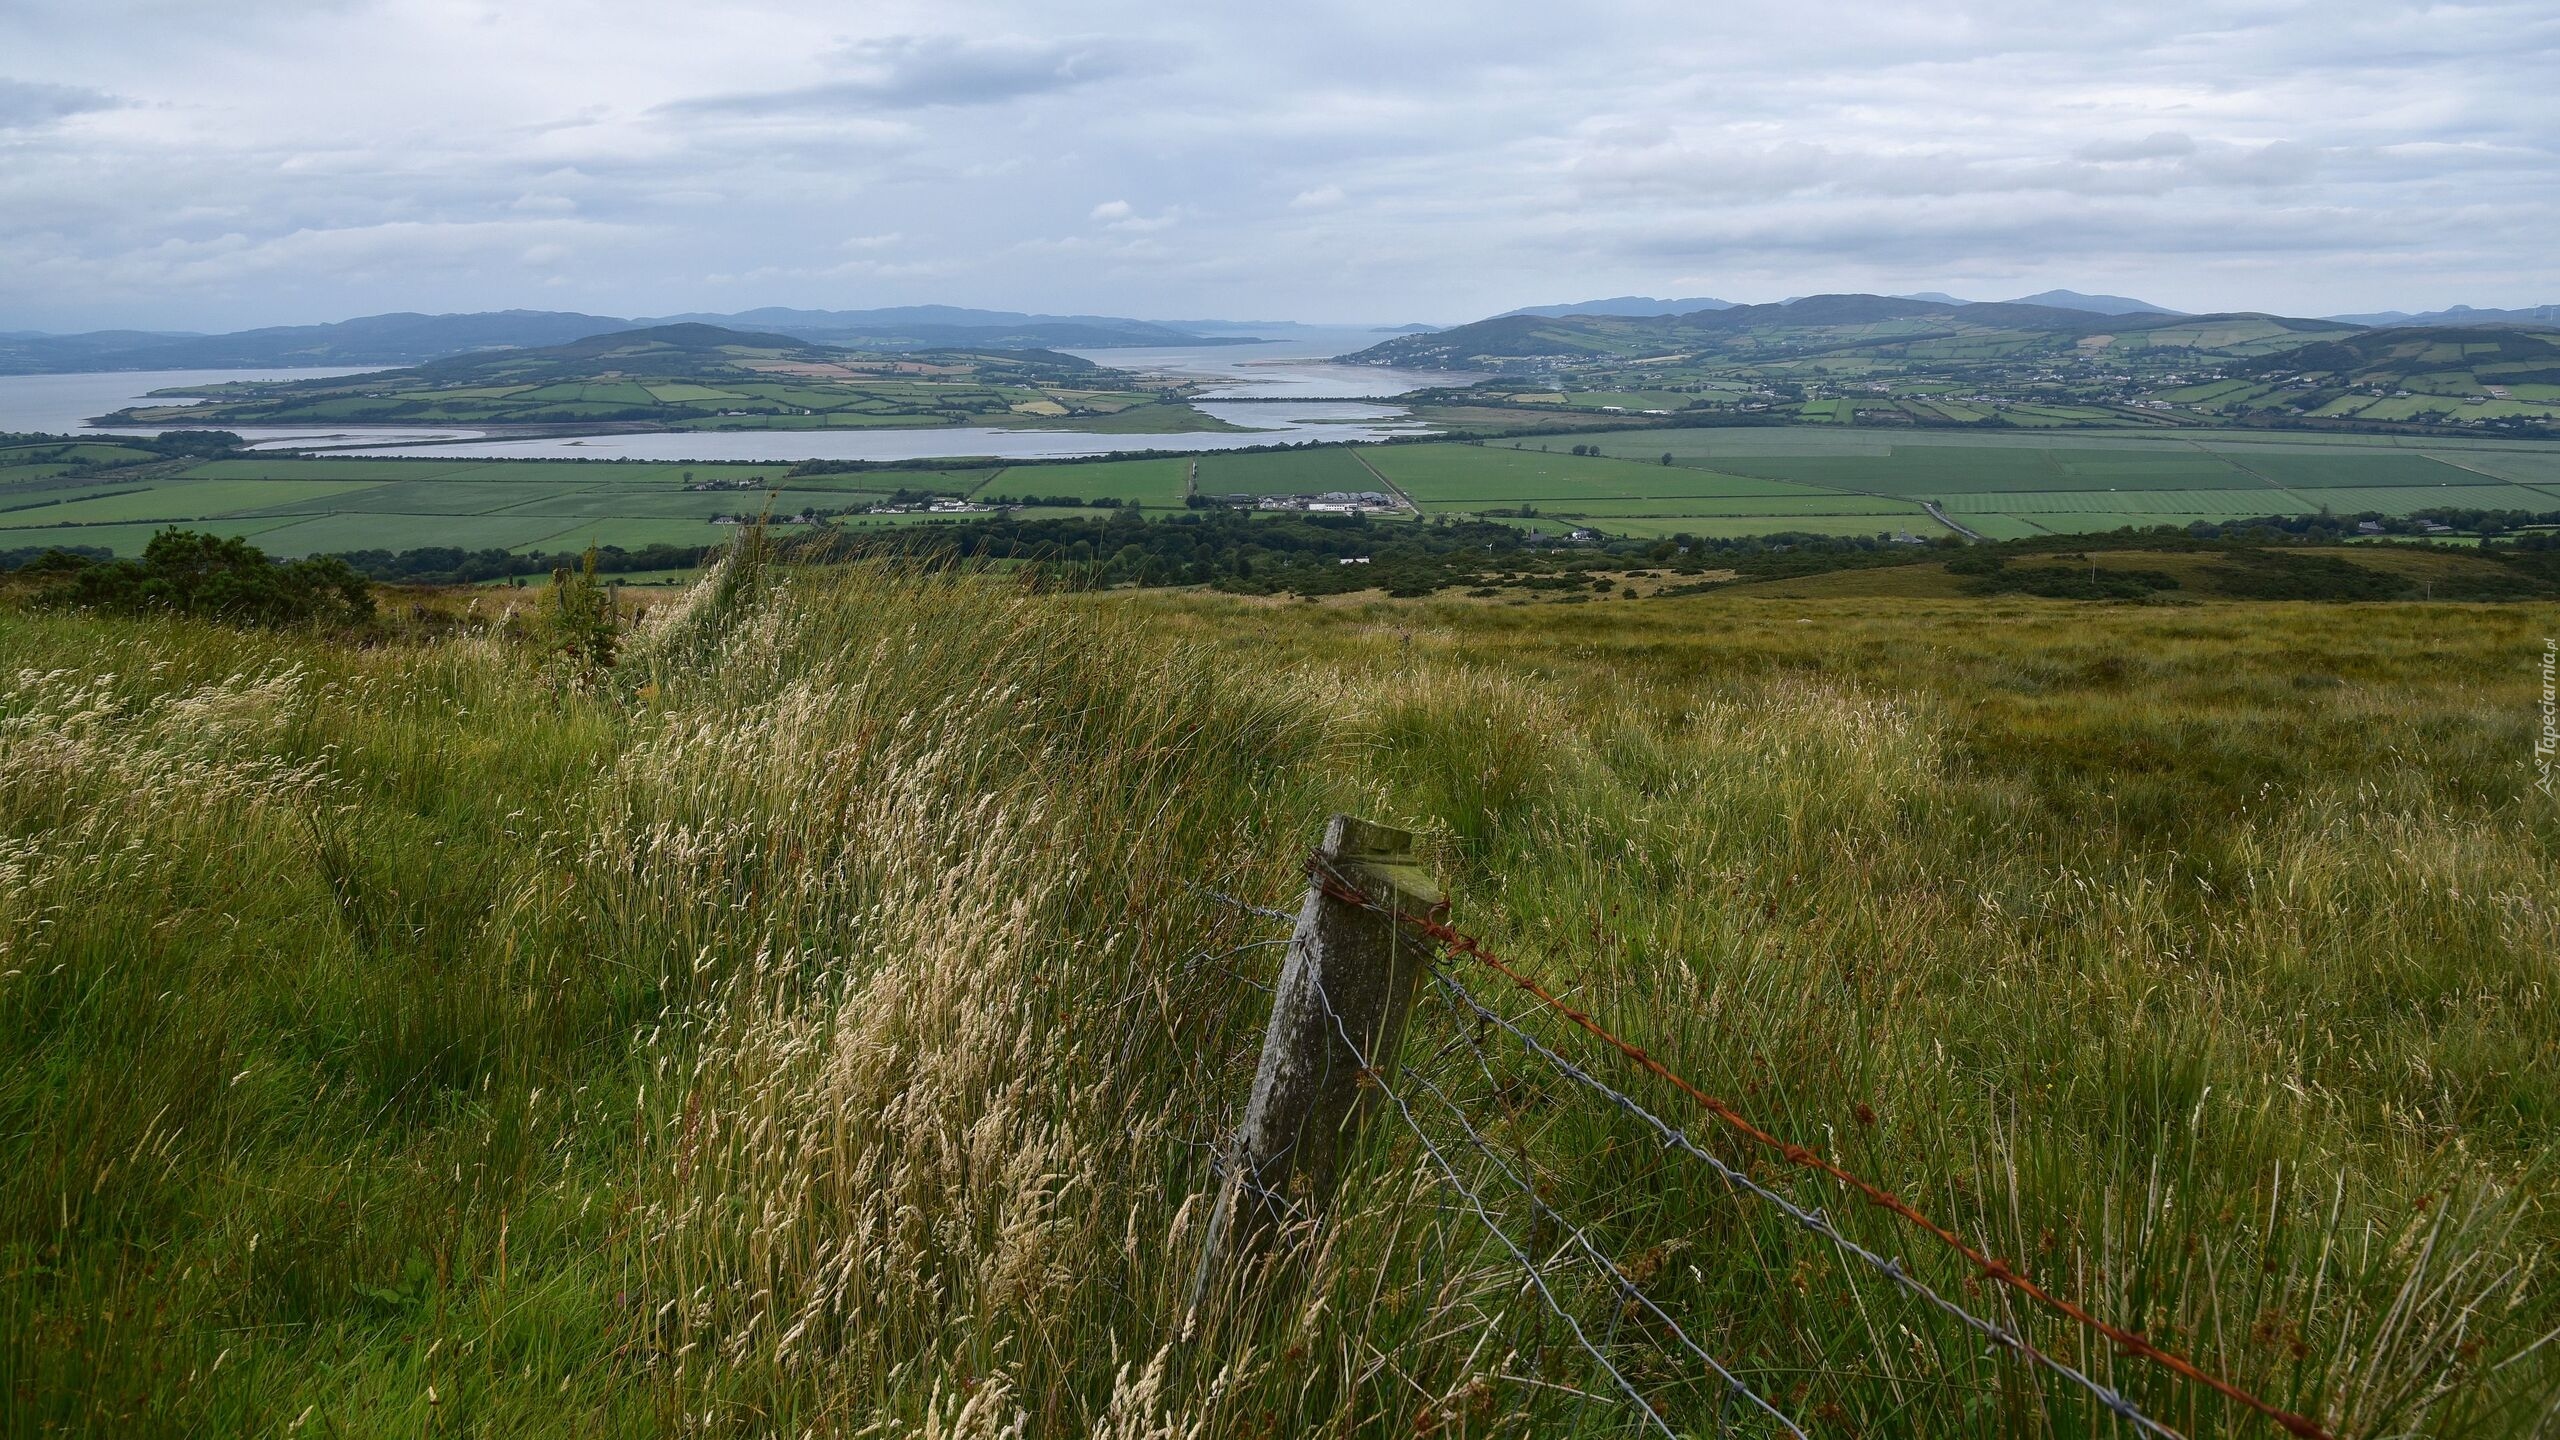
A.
pixel 1155 483
pixel 1719 482
pixel 1802 502
pixel 183 500
pixel 129 539
pixel 561 534
pixel 302 506
pixel 2004 486
pixel 1286 472
pixel 2135 502
pixel 1456 476
pixel 2532 468
pixel 2401 499
pixel 1913 522
pixel 2099 481
pixel 364 530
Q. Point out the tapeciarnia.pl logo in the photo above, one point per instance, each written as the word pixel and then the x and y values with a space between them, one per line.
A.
pixel 2546 745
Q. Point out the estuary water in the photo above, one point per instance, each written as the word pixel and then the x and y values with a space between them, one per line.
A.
pixel 64 404
pixel 1282 391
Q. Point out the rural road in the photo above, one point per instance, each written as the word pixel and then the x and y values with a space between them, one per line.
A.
pixel 1943 518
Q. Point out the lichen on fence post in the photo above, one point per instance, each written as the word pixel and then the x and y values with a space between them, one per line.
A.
pixel 1340 1007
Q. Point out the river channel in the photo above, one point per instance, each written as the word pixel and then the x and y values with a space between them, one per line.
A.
pixel 1283 391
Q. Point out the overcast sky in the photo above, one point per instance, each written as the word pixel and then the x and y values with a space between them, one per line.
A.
pixel 176 164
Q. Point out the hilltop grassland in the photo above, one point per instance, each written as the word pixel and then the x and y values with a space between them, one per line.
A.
pixel 816 1025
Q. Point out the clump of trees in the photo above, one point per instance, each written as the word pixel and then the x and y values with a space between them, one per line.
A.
pixel 211 577
pixel 1263 554
pixel 453 565
pixel 167 445
pixel 186 444
pixel 42 558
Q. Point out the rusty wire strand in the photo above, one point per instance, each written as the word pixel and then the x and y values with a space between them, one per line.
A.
pixel 1324 877
pixel 1815 1221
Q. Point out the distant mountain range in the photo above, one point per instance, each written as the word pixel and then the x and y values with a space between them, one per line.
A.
pixel 408 339
pixel 373 340
pixel 938 327
pixel 411 339
pixel 1820 322
pixel 2094 304
pixel 1625 305
pixel 1644 305
pixel 2459 315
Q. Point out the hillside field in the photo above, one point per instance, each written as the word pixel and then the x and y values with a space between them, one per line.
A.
pixel 823 1021
pixel 301 506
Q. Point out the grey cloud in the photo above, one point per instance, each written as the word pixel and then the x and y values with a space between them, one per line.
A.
pixel 1424 161
pixel 1975 231
pixel 1709 167
pixel 25 103
pixel 2158 145
pixel 2282 162
pixel 900 72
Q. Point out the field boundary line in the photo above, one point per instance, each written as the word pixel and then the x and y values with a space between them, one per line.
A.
pixel 1943 518
pixel 1392 487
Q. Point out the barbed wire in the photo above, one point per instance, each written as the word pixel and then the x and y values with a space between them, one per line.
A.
pixel 1325 879
pixel 1815 1221
pixel 1247 906
pixel 1476 1204
pixel 1734 1385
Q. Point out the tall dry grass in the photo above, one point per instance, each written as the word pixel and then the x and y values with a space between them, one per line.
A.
pixel 820 1027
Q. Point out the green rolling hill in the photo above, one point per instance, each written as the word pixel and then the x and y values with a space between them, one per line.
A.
pixel 691 376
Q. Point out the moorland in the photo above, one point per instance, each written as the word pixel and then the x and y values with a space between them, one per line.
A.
pixel 808 1006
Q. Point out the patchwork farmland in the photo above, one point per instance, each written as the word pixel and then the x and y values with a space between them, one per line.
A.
pixel 1640 483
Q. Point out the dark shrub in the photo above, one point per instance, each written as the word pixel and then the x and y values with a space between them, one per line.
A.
pixel 217 577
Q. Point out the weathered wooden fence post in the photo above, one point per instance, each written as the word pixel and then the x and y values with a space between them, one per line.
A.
pixel 1351 970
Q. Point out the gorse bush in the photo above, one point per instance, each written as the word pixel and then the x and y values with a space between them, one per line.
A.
pixel 186 572
pixel 823 1027
pixel 2071 582
pixel 579 617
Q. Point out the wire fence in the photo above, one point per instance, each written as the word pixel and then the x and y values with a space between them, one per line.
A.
pixel 1478 1018
pixel 1582 1239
